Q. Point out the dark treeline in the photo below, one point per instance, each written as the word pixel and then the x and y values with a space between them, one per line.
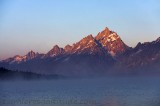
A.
pixel 6 74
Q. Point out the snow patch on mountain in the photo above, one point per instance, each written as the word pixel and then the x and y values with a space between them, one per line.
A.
pixel 112 53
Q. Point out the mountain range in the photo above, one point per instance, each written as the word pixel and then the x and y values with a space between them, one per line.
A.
pixel 104 54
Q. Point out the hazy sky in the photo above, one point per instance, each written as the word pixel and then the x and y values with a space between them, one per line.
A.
pixel 39 24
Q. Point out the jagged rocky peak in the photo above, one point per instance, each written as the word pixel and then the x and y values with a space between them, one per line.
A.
pixel 56 50
pixel 107 35
pixel 84 42
pixel 18 59
pixel 31 55
pixel 158 39
pixel 106 32
pixel 111 42
pixel 56 47
pixel 106 40
pixel 87 39
pixel 88 45
pixel 68 48
pixel 138 44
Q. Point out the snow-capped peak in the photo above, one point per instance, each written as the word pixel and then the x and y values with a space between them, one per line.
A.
pixel 111 42
pixel 112 37
pixel 106 32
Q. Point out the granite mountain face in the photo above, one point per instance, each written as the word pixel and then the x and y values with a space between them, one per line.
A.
pixel 111 42
pixel 103 54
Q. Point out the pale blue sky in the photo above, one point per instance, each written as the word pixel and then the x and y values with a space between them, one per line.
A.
pixel 39 24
